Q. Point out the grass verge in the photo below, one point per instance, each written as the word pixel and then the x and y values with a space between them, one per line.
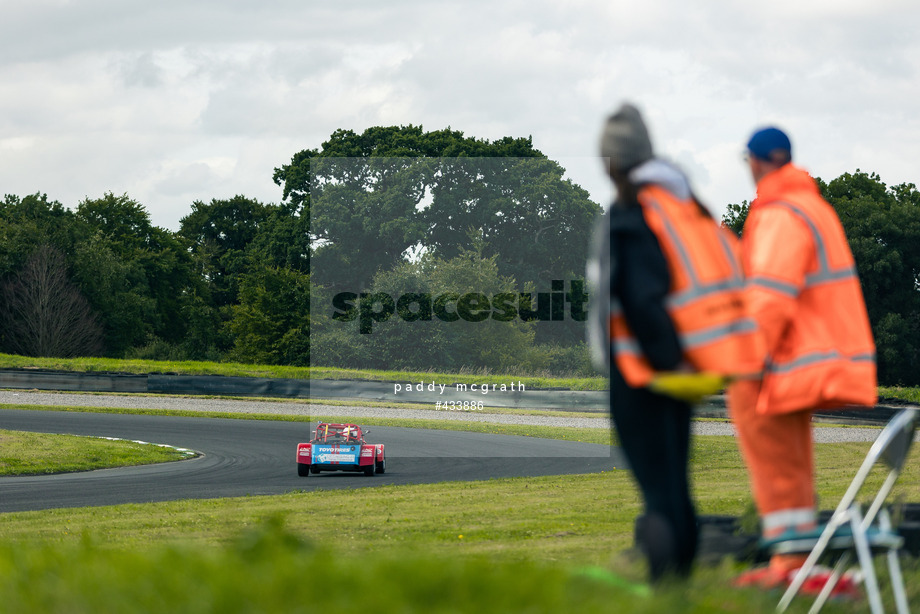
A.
pixel 270 569
pixel 508 545
pixel 24 453
pixel 898 393
pixel 493 546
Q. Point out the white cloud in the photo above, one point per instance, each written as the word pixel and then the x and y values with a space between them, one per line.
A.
pixel 177 101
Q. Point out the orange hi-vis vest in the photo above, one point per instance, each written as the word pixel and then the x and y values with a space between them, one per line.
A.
pixel 821 353
pixel 705 301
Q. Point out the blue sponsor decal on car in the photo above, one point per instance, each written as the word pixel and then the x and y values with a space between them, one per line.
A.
pixel 335 454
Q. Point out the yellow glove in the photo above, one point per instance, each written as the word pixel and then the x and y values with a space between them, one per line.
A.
pixel 690 387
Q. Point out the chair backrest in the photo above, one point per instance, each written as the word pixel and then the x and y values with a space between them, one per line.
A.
pixel 892 447
pixel 899 435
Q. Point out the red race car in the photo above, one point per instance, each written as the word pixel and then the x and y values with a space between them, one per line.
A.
pixel 340 447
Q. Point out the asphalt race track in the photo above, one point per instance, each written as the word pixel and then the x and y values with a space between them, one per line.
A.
pixel 256 457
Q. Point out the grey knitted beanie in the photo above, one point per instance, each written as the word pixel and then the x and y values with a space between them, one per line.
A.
pixel 624 140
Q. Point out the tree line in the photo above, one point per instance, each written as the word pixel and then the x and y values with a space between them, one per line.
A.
pixel 234 282
pixel 391 212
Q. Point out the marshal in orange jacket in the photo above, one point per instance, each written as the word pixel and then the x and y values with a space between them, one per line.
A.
pixel 705 301
pixel 804 293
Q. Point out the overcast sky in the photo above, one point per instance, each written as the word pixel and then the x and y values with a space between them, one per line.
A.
pixel 175 101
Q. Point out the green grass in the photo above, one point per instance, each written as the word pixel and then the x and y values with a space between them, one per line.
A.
pixel 24 453
pixel 581 517
pixel 504 545
pixel 118 365
pixel 270 569
pixel 510 545
pixel 907 395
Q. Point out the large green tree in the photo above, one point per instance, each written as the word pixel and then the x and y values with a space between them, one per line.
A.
pixel 219 232
pixel 375 197
pixel 31 221
pixel 389 194
pixel 271 322
pixel 137 275
pixel 134 276
pixel 233 243
pixel 43 313
pixel 39 244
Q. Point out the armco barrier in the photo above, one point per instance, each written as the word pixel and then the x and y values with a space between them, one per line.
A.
pixel 228 385
pixel 154 383
pixel 84 382
pixel 572 400
pixel 295 388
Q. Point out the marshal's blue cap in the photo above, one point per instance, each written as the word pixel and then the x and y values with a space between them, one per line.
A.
pixel 766 141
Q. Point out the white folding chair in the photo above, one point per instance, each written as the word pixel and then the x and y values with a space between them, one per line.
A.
pixel 850 531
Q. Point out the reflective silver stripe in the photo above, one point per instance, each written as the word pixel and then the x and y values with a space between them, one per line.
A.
pixel 791 518
pixel 694 339
pixel 770 283
pixel 693 293
pixel 675 239
pixel 822 277
pixel 825 273
pixel 806 360
pixel 814 358
pixel 627 345
pixel 823 264
pixel 812 280
pixel 730 255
